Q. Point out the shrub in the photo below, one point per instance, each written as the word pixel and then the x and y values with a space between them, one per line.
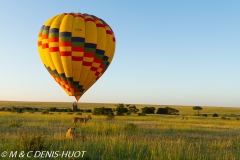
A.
pixel 162 111
pixel 168 110
pixel 9 109
pixel 204 115
pixel 16 109
pixel 69 110
pixel 132 109
pixel 172 111
pixel 87 111
pixel 53 109
pixel 237 119
pixel 148 110
pixel 223 118
pixel 102 111
pixel 62 110
pixel 45 112
pixel 141 114
pixel 19 110
pixel 79 113
pixel 121 109
pixel 28 108
pixel 215 115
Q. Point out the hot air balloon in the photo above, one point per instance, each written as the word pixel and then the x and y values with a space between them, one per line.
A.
pixel 76 49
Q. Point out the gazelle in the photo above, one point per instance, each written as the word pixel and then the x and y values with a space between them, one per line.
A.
pixel 81 120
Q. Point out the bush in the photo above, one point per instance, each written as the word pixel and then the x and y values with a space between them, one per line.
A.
pixel 237 119
pixel 215 115
pixel 168 110
pixel 53 109
pixel 204 115
pixel 16 109
pixel 9 109
pixel 28 108
pixel 45 112
pixel 79 113
pixel 132 109
pixel 148 110
pixel 102 111
pixel 162 111
pixel 223 118
pixel 62 110
pixel 19 110
pixel 141 114
pixel 69 110
pixel 121 109
pixel 87 111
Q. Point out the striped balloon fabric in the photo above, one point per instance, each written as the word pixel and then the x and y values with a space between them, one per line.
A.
pixel 76 49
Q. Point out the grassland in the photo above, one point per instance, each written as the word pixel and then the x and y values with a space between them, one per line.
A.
pixel 152 137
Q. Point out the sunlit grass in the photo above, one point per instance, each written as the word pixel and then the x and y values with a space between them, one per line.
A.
pixel 154 137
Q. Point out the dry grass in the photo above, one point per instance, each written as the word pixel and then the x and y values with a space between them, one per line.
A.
pixel 126 137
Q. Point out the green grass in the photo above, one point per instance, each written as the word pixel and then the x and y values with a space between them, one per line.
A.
pixel 133 137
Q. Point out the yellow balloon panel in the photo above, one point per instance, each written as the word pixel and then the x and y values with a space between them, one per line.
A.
pixel 76 49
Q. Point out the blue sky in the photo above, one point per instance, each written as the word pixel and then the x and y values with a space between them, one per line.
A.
pixel 167 52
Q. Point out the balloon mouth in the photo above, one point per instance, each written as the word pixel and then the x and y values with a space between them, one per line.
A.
pixel 77 97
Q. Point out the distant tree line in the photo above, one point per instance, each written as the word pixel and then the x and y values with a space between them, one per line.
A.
pixel 122 109
pixel 55 109
pixel 33 109
pixel 19 109
pixel 102 111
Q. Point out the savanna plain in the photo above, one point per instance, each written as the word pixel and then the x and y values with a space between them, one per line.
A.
pixel 128 137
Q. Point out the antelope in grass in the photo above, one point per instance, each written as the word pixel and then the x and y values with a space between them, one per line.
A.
pixel 81 120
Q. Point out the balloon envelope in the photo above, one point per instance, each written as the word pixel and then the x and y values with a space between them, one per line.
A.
pixel 76 49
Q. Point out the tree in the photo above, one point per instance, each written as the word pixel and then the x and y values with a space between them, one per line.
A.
pixel 167 110
pixel 198 108
pixel 162 111
pixel 215 115
pixel 102 111
pixel 172 111
pixel 148 110
pixel 121 109
pixel 132 109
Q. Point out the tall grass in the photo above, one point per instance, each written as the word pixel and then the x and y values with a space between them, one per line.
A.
pixel 124 137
